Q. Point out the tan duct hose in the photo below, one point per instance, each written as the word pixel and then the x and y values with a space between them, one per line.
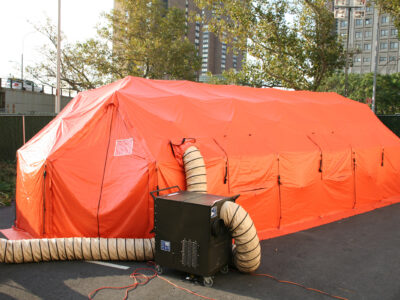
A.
pixel 195 170
pixel 247 251
pixel 36 250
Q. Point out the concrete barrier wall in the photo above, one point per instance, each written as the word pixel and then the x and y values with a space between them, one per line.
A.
pixel 26 102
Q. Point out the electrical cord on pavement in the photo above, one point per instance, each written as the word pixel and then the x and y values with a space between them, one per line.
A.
pixel 136 276
pixel 300 285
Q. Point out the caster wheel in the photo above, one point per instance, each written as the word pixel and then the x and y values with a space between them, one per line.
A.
pixel 159 269
pixel 208 281
pixel 225 269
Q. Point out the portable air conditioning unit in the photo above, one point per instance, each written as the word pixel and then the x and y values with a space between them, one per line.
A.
pixel 189 235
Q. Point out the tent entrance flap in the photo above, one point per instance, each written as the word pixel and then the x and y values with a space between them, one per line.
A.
pixel 125 185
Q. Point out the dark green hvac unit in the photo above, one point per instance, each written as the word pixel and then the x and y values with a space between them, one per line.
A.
pixel 189 234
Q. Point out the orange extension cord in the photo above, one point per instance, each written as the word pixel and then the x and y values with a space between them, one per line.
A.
pixel 136 276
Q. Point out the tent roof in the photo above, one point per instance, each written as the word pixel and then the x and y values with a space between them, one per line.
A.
pixel 162 109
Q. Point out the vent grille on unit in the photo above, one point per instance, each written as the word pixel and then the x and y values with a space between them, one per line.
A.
pixel 189 253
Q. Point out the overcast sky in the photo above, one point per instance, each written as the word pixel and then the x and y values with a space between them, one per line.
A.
pixel 78 21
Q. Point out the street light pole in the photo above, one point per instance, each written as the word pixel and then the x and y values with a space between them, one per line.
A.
pixel 340 8
pixel 58 94
pixel 376 64
pixel 22 53
pixel 346 76
pixel 22 65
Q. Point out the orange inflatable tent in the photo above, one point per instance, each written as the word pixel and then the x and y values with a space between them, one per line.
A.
pixel 298 159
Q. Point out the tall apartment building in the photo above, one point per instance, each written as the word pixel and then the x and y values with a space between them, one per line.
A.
pixel 363 36
pixel 216 56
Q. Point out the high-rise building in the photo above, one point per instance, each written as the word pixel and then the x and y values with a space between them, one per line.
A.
pixel 216 55
pixel 363 35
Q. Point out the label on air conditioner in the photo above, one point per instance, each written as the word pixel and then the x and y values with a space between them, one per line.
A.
pixel 166 246
pixel 214 212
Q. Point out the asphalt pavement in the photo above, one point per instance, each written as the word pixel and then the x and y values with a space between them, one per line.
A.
pixel 355 258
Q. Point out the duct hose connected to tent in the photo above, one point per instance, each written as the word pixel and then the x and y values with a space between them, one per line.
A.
pixel 247 250
pixel 37 250
pixel 195 170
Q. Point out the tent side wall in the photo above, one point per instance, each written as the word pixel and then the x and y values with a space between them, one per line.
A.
pixel 30 185
pixel 29 195
pixel 294 190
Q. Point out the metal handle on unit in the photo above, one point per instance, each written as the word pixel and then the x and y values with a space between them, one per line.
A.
pixel 160 190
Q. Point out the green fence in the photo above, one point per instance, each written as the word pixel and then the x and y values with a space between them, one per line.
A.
pixel 12 133
pixel 392 122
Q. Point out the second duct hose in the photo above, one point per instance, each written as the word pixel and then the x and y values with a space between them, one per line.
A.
pixel 247 250
pixel 37 250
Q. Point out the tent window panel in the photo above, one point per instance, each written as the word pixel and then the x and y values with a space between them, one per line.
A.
pixel 123 147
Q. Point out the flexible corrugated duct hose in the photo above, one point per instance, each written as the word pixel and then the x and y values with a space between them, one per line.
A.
pixel 247 250
pixel 37 250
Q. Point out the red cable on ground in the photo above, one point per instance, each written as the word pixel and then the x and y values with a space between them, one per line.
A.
pixel 135 276
pixel 300 285
pixel 184 289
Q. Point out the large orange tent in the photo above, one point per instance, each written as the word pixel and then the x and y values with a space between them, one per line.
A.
pixel 298 159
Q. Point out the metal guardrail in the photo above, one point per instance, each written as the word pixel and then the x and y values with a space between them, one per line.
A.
pixel 32 114
pixel 8 83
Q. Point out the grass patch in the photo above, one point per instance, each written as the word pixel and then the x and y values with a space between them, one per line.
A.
pixel 7 182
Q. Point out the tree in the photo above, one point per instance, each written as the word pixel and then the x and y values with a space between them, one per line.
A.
pixel 78 68
pixel 289 43
pixel 140 38
pixel 392 7
pixel 149 41
pixel 360 89
pixel 237 78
